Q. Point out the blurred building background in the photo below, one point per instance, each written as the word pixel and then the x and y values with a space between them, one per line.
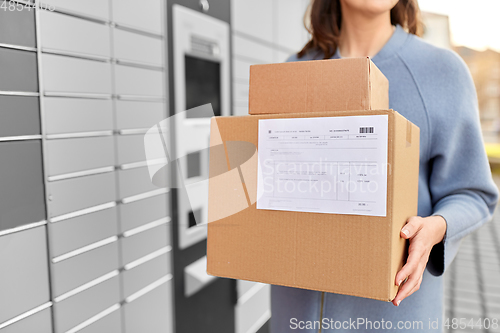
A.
pixel 87 243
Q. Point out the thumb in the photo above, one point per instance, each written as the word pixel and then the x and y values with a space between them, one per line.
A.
pixel 412 226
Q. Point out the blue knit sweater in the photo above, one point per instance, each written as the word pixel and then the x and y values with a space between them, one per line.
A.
pixel 432 88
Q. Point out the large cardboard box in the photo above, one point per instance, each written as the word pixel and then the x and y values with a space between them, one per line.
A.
pixel 319 85
pixel 348 254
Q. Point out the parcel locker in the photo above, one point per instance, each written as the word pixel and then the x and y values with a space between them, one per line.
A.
pixel 135 181
pixel 74 194
pixel 139 81
pixel 137 114
pixel 288 34
pixel 130 46
pixel 79 154
pixel 139 245
pixel 18 70
pixel 78 270
pixel 251 49
pixel 253 311
pixel 111 323
pixel 22 193
pixel 76 309
pixel 40 322
pixel 146 15
pixel 151 312
pixel 254 18
pixel 73 115
pixel 98 9
pixel 19 115
pixel 63 74
pixel 71 234
pixel 137 213
pixel 17 27
pixel 241 70
pixel 24 281
pixel 130 149
pixel 141 276
pixel 67 33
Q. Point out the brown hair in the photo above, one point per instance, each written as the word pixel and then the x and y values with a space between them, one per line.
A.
pixel 323 20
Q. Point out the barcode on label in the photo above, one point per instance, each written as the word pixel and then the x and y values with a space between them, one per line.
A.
pixel 366 130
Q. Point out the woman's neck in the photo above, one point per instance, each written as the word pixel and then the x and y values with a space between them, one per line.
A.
pixel 363 35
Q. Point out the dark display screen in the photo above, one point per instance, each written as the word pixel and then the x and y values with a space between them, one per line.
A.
pixel 202 85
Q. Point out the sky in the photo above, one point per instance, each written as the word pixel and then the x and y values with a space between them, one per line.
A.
pixel 473 23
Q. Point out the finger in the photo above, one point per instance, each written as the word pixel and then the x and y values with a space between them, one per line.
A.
pixel 409 287
pixel 415 254
pixel 412 226
pixel 405 291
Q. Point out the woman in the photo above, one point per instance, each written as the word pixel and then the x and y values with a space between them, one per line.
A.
pixel 432 88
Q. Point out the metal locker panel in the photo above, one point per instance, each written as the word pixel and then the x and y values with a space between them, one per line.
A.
pixel 135 114
pixel 147 16
pixel 239 110
pixel 143 275
pixel 151 312
pixel 139 48
pixel 241 70
pixel 91 8
pixel 134 181
pixel 18 70
pixel 19 115
pixel 139 81
pixel 70 115
pixel 131 148
pixel 73 272
pixel 78 193
pixel 17 27
pixel 73 75
pixel 72 234
pixel 143 243
pixel 289 30
pixel 250 49
pixel 69 33
pixel 254 18
pixel 40 322
pixel 240 91
pixel 243 286
pixel 79 154
pixel 24 282
pixel 112 323
pixel 22 193
pixel 82 306
pixel 137 213
pixel 253 310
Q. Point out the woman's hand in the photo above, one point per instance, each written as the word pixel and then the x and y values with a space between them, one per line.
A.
pixel 423 233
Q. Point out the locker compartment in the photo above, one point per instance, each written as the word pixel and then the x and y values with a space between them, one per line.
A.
pixel 70 115
pixel 79 154
pixel 24 282
pixel 140 48
pixel 143 243
pixel 289 33
pixel 73 75
pixel 254 18
pixel 144 16
pixel 109 324
pixel 138 81
pixel 249 312
pixel 280 56
pixel 241 69
pixel 143 275
pixel 250 49
pixel 82 306
pixel 22 194
pixel 134 114
pixel 131 148
pixel 40 322
pixel 135 181
pixel 68 33
pixel 240 93
pixel 243 286
pixel 18 70
pixel 72 234
pixel 17 27
pixel 83 268
pixel 20 115
pixel 143 211
pixel 78 193
pixel 92 8
pixel 151 312
pixel 240 110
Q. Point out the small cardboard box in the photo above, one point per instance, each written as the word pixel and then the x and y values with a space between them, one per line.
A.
pixel 319 85
pixel 340 253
